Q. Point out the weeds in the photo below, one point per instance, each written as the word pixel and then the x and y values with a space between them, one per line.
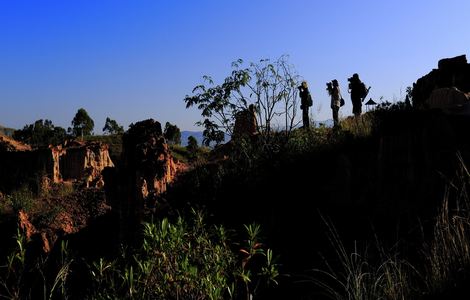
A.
pixel 448 254
pixel 258 269
pixel 355 276
pixel 21 199
pixel 361 126
pixel 16 275
pixel 184 260
pixel 445 265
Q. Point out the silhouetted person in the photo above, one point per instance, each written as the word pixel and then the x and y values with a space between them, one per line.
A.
pixel 335 94
pixel 305 103
pixel 358 92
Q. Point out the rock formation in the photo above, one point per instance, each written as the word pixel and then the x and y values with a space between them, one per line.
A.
pixel 80 160
pixel 19 164
pixel 245 123
pixel 146 170
pixel 451 73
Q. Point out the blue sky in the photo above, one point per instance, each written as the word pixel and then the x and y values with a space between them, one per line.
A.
pixel 133 60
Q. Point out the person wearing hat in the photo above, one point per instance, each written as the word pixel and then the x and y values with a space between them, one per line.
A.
pixel 305 103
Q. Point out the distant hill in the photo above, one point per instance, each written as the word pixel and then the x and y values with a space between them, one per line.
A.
pixel 6 131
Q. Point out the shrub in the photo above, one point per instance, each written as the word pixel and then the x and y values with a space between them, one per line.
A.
pixel 186 260
pixel 177 260
pixel 21 199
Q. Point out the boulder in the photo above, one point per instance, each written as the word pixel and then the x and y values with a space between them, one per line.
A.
pixel 451 73
pixel 448 99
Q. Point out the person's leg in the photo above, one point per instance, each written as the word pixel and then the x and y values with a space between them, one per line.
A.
pixel 305 119
pixel 356 107
pixel 335 115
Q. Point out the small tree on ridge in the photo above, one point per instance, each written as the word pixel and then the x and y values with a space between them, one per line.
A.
pixel 270 85
pixel 112 127
pixel 82 124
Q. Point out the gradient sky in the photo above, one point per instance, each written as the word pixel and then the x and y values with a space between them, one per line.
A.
pixel 137 59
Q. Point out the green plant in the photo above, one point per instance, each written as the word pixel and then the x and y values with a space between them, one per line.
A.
pixel 58 286
pixel 18 274
pixel 186 260
pixel 258 269
pixel 21 199
pixel 177 260
pixel 14 270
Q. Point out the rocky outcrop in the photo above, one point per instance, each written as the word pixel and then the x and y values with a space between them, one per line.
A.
pixel 245 123
pixel 451 73
pixel 80 160
pixel 25 225
pixel 146 171
pixel 20 165
pixel 447 98
pixel 146 153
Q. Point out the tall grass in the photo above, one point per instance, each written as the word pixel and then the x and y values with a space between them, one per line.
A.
pixel 24 277
pixel 355 276
pixel 361 126
pixel 445 263
pixel 448 254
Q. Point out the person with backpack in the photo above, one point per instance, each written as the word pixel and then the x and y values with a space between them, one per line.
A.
pixel 336 99
pixel 305 102
pixel 358 92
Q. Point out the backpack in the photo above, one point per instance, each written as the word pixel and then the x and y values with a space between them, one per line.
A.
pixel 362 90
pixel 309 100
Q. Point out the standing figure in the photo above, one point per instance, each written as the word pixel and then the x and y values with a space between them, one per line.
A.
pixel 358 92
pixel 305 103
pixel 335 94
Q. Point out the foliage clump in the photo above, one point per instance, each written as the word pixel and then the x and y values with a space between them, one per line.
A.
pixel 82 124
pixel 41 133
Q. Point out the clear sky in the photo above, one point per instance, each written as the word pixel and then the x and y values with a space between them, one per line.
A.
pixel 137 59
